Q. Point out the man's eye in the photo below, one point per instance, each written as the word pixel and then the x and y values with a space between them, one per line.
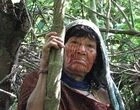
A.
pixel 91 46
pixel 74 42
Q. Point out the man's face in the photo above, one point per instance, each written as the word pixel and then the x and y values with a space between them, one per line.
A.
pixel 79 57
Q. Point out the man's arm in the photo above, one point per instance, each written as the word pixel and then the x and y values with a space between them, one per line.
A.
pixel 37 97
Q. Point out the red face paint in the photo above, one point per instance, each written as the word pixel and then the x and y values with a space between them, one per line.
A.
pixel 80 55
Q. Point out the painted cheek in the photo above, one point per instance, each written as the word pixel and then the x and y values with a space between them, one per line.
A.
pixel 70 52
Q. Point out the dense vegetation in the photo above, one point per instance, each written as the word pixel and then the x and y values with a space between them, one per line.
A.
pixel 119 22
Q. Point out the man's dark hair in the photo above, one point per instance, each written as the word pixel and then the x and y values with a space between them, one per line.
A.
pixel 80 31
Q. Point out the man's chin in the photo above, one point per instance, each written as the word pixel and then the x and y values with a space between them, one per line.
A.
pixel 78 70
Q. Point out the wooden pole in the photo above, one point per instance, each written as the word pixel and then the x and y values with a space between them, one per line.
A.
pixel 53 89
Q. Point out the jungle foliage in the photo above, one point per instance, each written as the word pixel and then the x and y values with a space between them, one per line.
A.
pixel 119 22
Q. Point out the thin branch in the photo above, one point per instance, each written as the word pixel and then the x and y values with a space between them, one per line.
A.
pixel 126 70
pixel 93 10
pixel 82 9
pixel 131 13
pixel 108 21
pixel 108 15
pixel 8 93
pixel 92 15
pixel 127 21
pixel 40 12
pixel 114 31
pixel 29 64
pixel 134 51
pixel 8 76
pixel 119 31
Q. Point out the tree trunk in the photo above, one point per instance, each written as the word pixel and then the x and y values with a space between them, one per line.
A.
pixel 13 28
pixel 53 90
pixel 92 15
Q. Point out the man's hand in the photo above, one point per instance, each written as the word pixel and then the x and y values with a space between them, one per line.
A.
pixel 53 41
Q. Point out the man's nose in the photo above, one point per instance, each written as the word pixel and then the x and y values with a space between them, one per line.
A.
pixel 82 49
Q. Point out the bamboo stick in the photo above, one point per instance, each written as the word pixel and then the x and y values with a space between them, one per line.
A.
pixel 53 90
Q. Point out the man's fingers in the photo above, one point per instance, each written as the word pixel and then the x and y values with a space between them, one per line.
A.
pixel 54 37
pixel 51 34
pixel 58 42
pixel 55 43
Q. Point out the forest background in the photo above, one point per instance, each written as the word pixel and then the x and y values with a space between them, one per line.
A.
pixel 23 25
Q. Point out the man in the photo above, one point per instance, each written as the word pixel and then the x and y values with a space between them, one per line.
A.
pixel 85 83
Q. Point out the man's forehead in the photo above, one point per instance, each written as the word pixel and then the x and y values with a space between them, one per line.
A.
pixel 82 38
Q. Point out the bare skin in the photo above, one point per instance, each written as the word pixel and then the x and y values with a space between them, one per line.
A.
pixel 80 54
pixel 36 99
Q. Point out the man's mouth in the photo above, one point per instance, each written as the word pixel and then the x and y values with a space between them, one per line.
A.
pixel 79 61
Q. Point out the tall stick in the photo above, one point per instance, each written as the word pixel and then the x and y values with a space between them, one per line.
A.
pixel 53 90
